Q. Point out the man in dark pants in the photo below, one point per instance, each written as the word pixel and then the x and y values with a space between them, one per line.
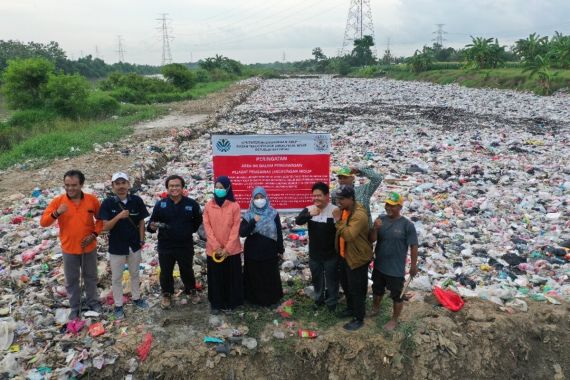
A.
pixel 394 234
pixel 355 251
pixel 323 258
pixel 176 217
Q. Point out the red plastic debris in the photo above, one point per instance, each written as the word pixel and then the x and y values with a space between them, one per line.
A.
pixel 448 299
pixel 96 329
pixel 17 220
pixel 75 326
pixel 144 348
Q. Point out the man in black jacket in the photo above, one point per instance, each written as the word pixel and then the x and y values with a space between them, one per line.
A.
pixel 176 217
pixel 321 217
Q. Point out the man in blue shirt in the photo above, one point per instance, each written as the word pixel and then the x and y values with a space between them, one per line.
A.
pixel 176 217
pixel 394 234
pixel 123 216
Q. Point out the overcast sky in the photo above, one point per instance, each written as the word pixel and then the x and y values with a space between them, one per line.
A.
pixel 266 30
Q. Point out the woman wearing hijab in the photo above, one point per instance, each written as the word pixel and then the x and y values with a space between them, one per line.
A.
pixel 223 248
pixel 263 245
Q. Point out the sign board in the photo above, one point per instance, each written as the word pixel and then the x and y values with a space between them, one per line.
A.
pixel 287 166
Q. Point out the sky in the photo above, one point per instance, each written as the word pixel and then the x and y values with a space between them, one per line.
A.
pixel 266 30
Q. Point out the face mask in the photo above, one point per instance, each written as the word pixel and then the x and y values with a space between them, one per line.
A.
pixel 220 193
pixel 260 203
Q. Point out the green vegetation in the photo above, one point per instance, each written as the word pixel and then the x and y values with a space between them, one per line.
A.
pixel 48 113
pixel 504 78
pixel 44 136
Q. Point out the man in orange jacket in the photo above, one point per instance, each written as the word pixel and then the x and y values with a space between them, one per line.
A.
pixel 76 214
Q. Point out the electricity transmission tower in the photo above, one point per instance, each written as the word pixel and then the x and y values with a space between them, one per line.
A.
pixel 439 33
pixel 121 49
pixel 166 54
pixel 358 24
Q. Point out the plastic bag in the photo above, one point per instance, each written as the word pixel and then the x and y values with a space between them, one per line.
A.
pixel 448 299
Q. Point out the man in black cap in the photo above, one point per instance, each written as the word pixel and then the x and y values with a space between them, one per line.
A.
pixel 355 254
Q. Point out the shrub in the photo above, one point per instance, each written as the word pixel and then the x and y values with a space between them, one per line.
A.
pixel 221 75
pixel 134 88
pixel 179 75
pixel 30 117
pixel 100 104
pixel 66 94
pixel 24 81
pixel 202 76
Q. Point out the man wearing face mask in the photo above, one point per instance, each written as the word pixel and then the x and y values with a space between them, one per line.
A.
pixel 176 217
pixel 395 234
pixel 123 216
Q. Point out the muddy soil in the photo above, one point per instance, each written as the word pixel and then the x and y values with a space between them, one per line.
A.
pixel 193 114
pixel 479 342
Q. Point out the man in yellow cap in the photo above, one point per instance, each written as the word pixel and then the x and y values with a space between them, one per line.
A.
pixel 395 234
pixel 346 176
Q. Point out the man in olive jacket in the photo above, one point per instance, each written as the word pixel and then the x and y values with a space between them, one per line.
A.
pixel 355 254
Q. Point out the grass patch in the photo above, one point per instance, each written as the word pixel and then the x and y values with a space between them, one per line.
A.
pixel 203 89
pixel 503 78
pixel 64 137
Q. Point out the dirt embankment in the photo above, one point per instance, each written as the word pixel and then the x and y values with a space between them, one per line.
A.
pixel 479 342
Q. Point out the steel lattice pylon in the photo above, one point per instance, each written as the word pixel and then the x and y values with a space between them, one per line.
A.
pixel 358 24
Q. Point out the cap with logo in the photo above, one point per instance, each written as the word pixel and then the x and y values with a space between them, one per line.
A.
pixel 394 199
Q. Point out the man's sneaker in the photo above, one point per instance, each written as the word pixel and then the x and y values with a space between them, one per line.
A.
pixel 73 314
pixel 353 325
pixel 165 302
pixel 96 308
pixel 119 313
pixel 140 303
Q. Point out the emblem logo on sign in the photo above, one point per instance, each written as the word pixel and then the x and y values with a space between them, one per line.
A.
pixel 321 143
pixel 223 145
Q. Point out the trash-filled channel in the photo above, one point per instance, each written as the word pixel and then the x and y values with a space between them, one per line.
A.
pixel 485 175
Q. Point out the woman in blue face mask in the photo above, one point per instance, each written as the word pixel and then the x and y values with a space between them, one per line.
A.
pixel 261 227
pixel 222 222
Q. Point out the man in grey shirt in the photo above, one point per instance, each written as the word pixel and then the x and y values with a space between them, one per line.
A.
pixel 394 234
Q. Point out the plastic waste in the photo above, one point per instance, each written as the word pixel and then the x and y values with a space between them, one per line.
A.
pixel 448 299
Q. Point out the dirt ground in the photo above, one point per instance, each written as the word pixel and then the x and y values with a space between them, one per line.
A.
pixel 96 166
pixel 479 342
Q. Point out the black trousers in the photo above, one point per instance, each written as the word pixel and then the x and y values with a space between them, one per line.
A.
pixel 167 259
pixel 357 280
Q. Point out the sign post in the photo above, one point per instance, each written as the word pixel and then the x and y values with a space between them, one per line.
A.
pixel 287 166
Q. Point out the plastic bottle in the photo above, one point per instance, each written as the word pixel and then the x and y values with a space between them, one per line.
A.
pixel 304 333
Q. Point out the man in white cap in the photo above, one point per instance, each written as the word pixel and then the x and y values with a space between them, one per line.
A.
pixel 123 216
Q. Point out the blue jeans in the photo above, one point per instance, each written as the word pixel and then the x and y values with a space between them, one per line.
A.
pixel 324 274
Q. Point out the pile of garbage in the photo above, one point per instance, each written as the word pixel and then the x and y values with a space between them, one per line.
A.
pixel 485 175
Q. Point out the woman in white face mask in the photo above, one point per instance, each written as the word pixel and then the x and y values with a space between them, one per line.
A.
pixel 261 226
pixel 222 219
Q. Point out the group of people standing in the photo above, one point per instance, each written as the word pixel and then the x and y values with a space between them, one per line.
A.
pixel 340 244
